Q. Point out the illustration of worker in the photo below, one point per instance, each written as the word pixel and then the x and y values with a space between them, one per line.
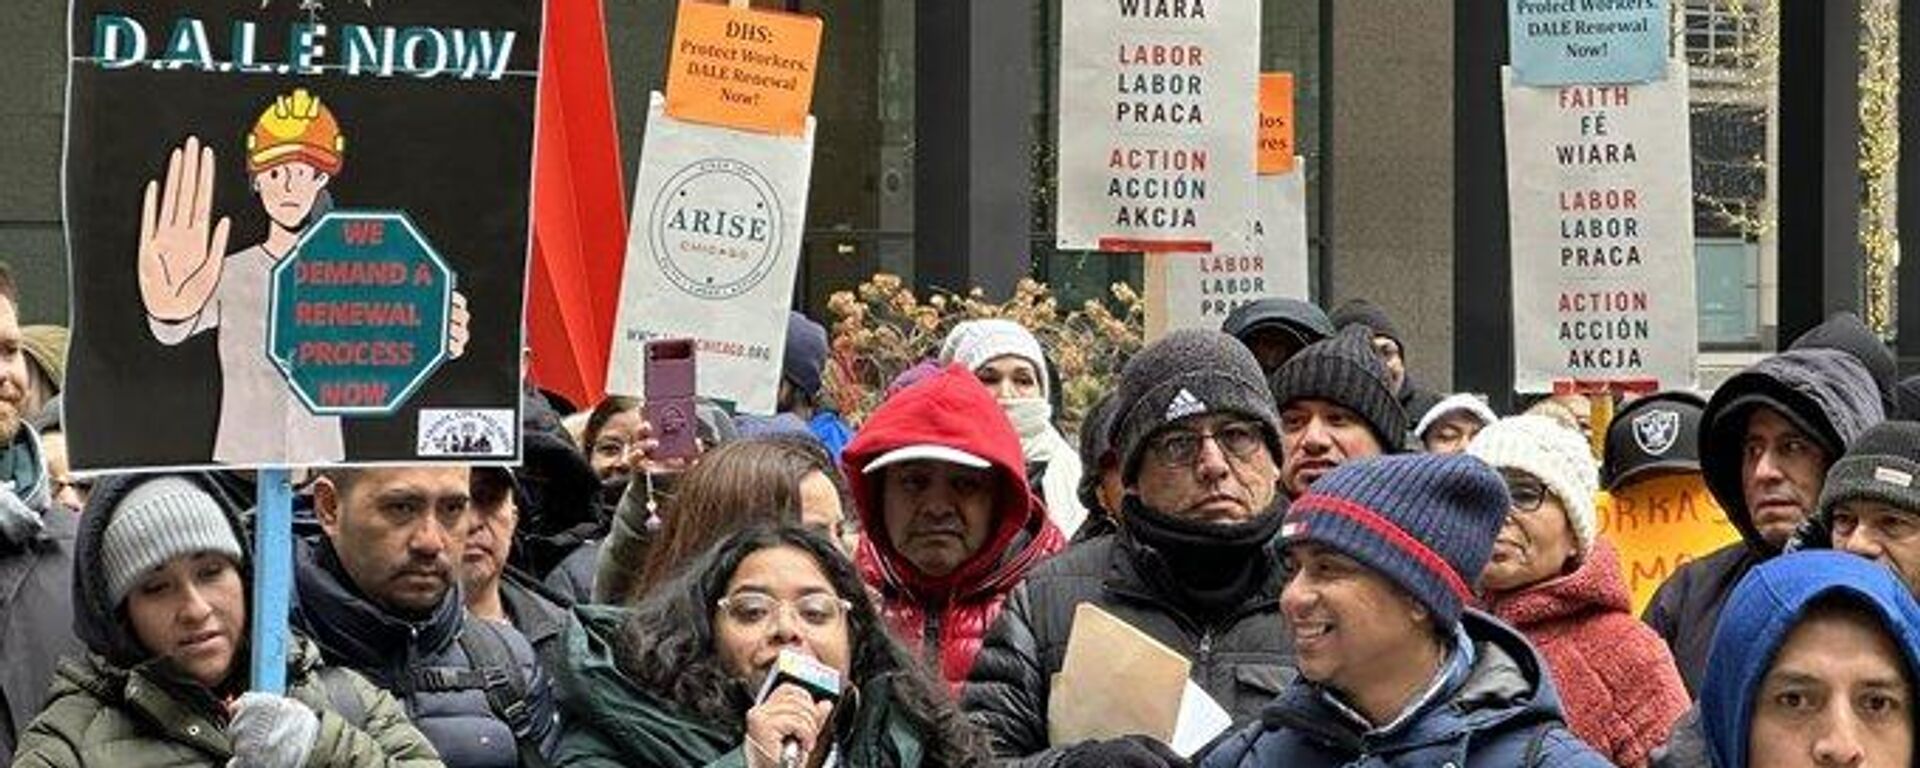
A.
pixel 190 285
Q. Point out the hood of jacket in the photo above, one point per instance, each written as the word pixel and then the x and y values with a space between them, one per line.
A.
pixel 1304 320
pixel 1595 587
pixel 1507 688
pixel 97 620
pixel 1764 608
pixel 595 694
pixel 953 410
pixel 1826 392
pixel 354 630
pixel 560 503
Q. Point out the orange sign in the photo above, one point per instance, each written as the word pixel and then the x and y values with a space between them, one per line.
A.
pixel 742 68
pixel 1276 122
pixel 1659 525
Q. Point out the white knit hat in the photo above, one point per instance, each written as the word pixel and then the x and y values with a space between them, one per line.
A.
pixel 157 521
pixel 1558 456
pixel 1464 401
pixel 974 342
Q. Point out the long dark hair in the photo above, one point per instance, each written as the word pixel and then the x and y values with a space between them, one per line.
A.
pixel 668 646
pixel 734 486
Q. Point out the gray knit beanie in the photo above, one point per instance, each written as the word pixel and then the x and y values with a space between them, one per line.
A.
pixel 159 520
pixel 1344 370
pixel 1883 465
pixel 1187 373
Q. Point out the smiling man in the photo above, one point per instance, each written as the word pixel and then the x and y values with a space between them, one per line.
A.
pixel 1767 438
pixel 1192 565
pixel 381 596
pixel 1398 671
pixel 1336 404
pixel 941 487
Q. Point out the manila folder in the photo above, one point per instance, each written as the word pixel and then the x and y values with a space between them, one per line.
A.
pixel 1116 681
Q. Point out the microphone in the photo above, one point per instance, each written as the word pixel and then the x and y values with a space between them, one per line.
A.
pixel 819 681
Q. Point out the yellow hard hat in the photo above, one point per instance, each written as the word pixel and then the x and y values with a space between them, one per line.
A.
pixel 296 127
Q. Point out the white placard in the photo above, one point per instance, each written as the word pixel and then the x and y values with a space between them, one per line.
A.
pixel 1600 197
pixel 712 254
pixel 1202 289
pixel 1159 111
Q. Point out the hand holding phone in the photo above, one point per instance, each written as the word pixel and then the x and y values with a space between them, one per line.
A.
pixel 670 385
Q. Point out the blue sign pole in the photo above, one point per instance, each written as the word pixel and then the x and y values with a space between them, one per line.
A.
pixel 272 581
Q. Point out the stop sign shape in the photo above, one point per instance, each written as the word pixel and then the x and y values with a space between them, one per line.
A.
pixel 359 313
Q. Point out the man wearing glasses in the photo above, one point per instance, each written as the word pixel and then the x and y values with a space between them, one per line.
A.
pixel 1193 565
pixel 1336 404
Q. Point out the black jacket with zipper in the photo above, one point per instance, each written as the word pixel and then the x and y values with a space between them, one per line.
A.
pixel 1242 659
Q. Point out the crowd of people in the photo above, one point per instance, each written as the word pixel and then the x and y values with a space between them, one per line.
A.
pixel 1358 571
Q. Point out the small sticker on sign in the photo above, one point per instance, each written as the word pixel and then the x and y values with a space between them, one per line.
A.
pixel 1893 476
pixel 478 432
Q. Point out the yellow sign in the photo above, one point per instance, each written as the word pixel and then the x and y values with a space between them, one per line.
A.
pixel 1659 525
pixel 742 68
pixel 1276 122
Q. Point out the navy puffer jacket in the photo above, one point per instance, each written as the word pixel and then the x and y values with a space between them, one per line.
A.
pixel 354 632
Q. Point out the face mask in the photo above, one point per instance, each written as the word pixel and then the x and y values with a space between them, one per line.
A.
pixel 1031 417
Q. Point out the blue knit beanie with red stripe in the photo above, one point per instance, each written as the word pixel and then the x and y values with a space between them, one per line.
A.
pixel 1424 521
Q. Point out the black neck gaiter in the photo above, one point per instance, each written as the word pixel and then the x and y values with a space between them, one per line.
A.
pixel 1212 567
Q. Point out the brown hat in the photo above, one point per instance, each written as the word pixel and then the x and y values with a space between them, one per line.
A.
pixel 46 346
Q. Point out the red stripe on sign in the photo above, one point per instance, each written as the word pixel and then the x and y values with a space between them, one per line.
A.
pixel 1605 386
pixel 1129 245
pixel 1399 539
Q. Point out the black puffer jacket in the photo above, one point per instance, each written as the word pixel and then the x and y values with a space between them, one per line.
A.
pixel 394 653
pixel 1826 392
pixel 1242 661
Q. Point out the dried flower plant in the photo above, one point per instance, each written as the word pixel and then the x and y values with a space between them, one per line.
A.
pixel 881 329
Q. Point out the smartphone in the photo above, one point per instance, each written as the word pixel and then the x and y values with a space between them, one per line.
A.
pixel 669 377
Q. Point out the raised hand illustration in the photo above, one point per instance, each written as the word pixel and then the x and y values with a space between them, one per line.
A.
pixel 181 246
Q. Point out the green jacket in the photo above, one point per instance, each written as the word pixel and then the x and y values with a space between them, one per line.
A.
pixel 607 720
pixel 105 717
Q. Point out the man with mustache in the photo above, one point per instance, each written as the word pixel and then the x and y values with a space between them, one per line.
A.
pixel 1192 564
pixel 1337 404
pixel 951 525
pixel 1767 438
pixel 378 593
pixel 494 590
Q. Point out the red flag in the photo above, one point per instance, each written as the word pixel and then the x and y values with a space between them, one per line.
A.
pixel 580 208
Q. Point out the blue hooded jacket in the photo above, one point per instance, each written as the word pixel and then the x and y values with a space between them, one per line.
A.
pixel 1763 608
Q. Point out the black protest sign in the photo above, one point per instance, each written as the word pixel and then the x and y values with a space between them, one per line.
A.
pixel 244 181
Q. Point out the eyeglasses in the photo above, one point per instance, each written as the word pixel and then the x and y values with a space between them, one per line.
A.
pixel 1527 494
pixel 756 610
pixel 1179 447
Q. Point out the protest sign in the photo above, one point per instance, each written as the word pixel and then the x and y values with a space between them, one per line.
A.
pixel 1572 42
pixel 1660 524
pixel 1158 123
pixel 1276 122
pixel 742 68
pixel 206 142
pixel 712 255
pixel 1601 218
pixel 1186 290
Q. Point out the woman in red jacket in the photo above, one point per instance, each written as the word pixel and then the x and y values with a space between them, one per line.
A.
pixel 949 523
pixel 1554 579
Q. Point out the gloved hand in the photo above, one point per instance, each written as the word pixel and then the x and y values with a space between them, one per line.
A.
pixel 1124 752
pixel 271 731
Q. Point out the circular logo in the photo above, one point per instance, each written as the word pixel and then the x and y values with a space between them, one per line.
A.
pixel 716 228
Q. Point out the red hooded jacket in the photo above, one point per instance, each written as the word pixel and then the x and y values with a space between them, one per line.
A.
pixel 952 613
